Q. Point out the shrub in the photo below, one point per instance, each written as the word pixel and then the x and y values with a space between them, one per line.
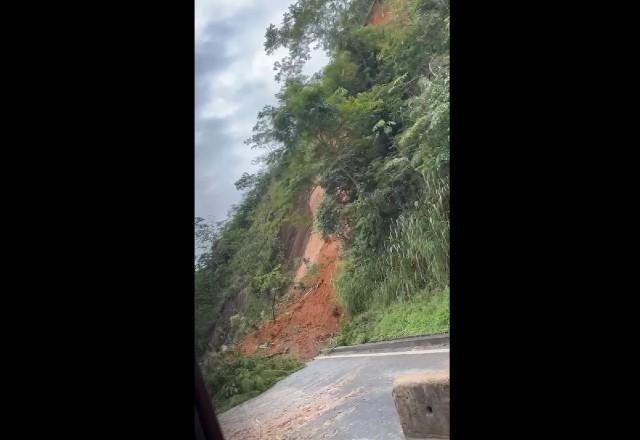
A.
pixel 231 379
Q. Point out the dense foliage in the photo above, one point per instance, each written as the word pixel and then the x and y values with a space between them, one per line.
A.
pixel 233 379
pixel 373 127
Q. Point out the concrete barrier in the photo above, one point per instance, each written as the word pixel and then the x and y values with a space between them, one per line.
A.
pixel 422 403
pixel 409 343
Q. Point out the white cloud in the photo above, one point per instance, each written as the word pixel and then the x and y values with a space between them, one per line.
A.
pixel 219 108
pixel 211 11
pixel 227 80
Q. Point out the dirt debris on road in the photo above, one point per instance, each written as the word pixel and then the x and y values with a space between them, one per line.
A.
pixel 292 421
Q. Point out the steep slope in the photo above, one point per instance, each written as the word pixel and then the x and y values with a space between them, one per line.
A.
pixel 313 314
pixel 314 242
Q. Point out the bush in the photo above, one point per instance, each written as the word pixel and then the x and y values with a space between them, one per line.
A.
pixel 232 379
pixel 239 326
pixel 328 218
pixel 309 275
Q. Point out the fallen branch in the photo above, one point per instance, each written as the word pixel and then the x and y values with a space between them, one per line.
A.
pixel 311 289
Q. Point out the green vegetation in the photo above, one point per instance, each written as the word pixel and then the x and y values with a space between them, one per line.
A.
pixel 244 270
pixel 270 284
pixel 414 259
pixel 310 274
pixel 425 314
pixel 373 128
pixel 232 379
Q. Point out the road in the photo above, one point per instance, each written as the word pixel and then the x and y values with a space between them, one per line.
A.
pixel 344 396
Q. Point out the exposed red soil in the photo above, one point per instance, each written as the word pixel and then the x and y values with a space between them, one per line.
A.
pixel 307 322
pixel 379 14
pixel 314 241
pixel 313 314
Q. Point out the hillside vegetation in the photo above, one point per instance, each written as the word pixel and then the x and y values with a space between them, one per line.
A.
pixel 373 130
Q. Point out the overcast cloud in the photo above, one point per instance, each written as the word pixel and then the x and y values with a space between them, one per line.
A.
pixel 234 80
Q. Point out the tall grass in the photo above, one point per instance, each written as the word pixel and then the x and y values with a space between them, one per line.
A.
pixel 425 314
pixel 415 259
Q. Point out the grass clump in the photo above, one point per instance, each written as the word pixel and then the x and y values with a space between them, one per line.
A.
pixel 425 314
pixel 309 275
pixel 232 379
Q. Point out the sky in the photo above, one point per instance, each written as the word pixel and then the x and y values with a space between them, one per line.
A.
pixel 234 80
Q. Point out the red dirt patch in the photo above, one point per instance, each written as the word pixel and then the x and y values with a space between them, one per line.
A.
pixel 379 14
pixel 308 321
pixel 314 242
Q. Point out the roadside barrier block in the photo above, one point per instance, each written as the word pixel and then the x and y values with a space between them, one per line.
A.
pixel 422 403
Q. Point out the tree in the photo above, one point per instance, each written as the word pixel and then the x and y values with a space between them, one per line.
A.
pixel 247 181
pixel 311 24
pixel 271 284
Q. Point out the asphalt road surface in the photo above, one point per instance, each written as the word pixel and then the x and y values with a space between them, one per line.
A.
pixel 344 396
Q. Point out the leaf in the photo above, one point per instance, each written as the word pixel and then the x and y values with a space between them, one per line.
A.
pixel 379 125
